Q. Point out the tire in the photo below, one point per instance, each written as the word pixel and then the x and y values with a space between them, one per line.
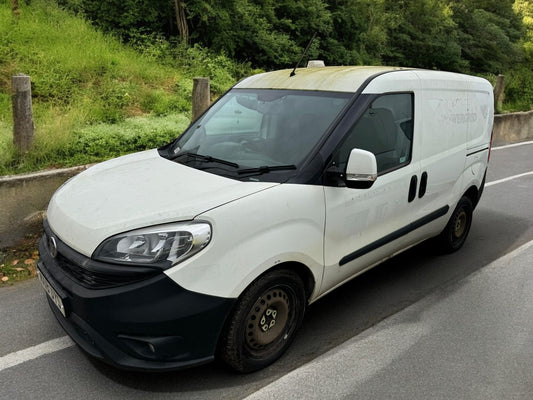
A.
pixel 454 234
pixel 264 321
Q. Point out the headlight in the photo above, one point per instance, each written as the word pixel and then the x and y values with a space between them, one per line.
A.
pixel 165 245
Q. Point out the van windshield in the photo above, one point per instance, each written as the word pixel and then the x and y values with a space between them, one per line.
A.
pixel 258 131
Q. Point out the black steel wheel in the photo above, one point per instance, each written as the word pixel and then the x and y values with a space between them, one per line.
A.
pixel 454 234
pixel 264 322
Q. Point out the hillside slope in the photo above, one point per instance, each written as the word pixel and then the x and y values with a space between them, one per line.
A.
pixel 86 85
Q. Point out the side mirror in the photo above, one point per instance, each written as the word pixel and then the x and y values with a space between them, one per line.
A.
pixel 361 169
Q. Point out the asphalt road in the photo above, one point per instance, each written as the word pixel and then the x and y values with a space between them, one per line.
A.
pixel 418 326
pixel 470 340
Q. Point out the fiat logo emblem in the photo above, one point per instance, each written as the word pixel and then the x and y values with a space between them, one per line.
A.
pixel 52 246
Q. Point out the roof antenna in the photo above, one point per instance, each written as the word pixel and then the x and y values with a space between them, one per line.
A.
pixel 303 54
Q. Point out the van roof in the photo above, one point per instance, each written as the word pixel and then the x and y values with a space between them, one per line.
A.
pixel 336 79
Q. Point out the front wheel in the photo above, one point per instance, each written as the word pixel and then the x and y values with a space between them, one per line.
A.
pixel 264 322
pixel 454 234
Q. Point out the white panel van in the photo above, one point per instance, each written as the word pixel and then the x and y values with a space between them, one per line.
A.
pixel 287 187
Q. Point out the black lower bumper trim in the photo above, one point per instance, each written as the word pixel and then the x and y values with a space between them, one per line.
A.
pixel 154 324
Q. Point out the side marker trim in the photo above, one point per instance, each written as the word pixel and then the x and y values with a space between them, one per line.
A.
pixel 395 235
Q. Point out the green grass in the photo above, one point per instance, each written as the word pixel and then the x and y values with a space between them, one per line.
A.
pixel 88 88
pixel 98 142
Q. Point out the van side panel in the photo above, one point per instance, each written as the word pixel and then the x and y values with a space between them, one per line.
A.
pixel 481 108
pixel 480 104
pixel 443 131
pixel 455 135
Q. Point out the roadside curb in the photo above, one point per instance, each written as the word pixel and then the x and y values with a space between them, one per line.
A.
pixel 22 178
pixel 24 199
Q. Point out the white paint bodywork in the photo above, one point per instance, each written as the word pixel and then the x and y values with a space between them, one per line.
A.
pixel 255 233
pixel 257 226
pixel 136 191
pixel 332 79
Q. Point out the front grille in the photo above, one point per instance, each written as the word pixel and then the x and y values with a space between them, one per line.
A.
pixel 93 279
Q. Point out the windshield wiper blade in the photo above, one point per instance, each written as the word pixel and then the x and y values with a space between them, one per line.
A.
pixel 266 168
pixel 207 159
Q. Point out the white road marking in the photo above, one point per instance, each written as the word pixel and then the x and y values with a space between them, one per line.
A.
pixel 509 256
pixel 31 353
pixel 509 178
pixel 512 145
pixel 514 176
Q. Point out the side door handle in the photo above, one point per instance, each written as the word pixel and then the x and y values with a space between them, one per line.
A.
pixel 423 185
pixel 412 188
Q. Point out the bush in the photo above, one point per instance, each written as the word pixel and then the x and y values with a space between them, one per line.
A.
pixel 518 90
pixel 95 143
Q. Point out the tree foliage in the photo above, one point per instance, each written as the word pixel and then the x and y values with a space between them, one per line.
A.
pixel 422 33
pixel 485 36
pixel 358 34
pixel 267 33
pixel 127 18
pixel 524 8
pixel 489 32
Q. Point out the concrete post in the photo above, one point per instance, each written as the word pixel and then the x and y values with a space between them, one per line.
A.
pixel 499 94
pixel 23 127
pixel 200 96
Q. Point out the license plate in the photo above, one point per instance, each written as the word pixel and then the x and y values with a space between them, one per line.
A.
pixel 56 299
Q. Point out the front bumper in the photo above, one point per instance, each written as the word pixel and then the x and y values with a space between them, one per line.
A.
pixel 147 324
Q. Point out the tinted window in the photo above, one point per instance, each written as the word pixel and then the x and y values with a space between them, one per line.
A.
pixel 385 129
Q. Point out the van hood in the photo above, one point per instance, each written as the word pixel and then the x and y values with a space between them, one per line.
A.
pixel 135 191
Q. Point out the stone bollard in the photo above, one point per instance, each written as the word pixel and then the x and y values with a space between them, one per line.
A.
pixel 23 127
pixel 200 96
pixel 499 92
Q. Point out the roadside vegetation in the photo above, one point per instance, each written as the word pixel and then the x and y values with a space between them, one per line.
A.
pixel 479 37
pixel 113 77
pixel 93 96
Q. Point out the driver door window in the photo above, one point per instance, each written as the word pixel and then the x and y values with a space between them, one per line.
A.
pixel 385 129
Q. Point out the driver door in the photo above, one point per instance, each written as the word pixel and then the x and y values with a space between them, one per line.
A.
pixel 364 226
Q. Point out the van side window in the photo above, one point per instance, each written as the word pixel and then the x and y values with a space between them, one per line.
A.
pixel 385 129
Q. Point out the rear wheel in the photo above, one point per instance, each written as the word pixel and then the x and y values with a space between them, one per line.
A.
pixel 264 322
pixel 454 234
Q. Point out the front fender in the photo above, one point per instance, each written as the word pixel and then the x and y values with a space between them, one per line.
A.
pixel 253 234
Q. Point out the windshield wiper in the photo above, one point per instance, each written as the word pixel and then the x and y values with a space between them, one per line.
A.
pixel 266 168
pixel 206 159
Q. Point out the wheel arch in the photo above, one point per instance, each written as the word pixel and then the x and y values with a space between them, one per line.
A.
pixel 473 194
pixel 302 270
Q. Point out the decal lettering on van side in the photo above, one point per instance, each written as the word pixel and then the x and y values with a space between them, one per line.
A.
pixel 448 110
